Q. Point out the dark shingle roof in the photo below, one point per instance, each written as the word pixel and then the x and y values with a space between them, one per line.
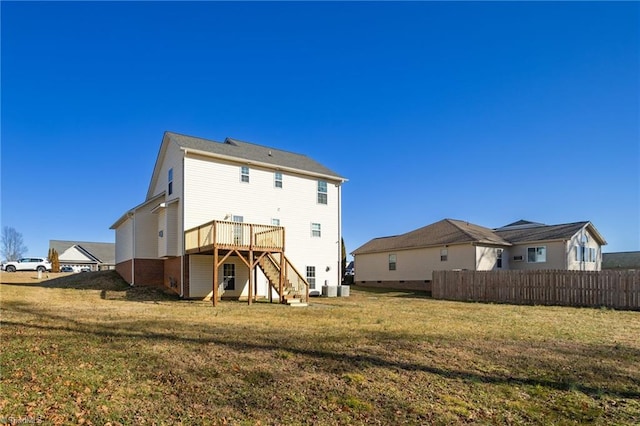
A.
pixel 621 260
pixel 103 252
pixel 447 231
pixel 252 152
pixel 539 232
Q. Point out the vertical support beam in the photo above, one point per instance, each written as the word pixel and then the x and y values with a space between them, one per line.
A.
pixel 251 266
pixel 215 277
pixel 283 272
pixel 283 268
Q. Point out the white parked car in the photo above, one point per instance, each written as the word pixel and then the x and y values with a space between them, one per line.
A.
pixel 28 264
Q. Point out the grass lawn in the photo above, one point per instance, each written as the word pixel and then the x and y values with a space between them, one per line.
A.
pixel 87 349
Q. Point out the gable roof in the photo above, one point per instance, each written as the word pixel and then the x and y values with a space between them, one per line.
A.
pixel 444 232
pixel 101 252
pixel 523 231
pixel 234 149
pixel 450 231
pixel 621 260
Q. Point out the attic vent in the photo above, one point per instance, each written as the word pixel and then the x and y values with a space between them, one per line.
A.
pixel 269 153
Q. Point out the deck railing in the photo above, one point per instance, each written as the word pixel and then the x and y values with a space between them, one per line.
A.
pixel 234 235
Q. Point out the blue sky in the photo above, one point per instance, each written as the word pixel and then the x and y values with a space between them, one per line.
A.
pixel 488 112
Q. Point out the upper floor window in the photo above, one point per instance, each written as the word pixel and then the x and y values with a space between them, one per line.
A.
pixel 322 192
pixel 315 230
pixel 536 254
pixel 444 255
pixel 392 262
pixel 170 182
pixel 277 180
pixel 585 254
pixel 244 174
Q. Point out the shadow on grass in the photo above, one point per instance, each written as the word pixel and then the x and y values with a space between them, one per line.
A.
pixel 239 340
pixel 110 284
pixel 393 292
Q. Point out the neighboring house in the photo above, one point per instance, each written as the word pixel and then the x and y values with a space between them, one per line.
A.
pixel 408 260
pixel 254 211
pixel 621 260
pixel 84 254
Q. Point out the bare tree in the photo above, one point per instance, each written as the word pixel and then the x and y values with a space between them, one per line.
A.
pixel 11 244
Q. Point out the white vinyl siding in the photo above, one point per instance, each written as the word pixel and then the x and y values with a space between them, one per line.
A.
pixel 146 233
pixel 124 241
pixel 213 192
pixel 162 222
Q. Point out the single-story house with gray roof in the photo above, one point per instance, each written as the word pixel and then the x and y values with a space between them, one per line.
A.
pixel 407 261
pixel 621 260
pixel 85 254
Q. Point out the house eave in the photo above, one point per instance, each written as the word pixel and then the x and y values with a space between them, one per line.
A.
pixel 238 160
pixel 129 213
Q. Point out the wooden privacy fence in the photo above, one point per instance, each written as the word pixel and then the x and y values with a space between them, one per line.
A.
pixel 613 289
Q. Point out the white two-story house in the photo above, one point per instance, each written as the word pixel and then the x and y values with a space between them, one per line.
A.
pixel 233 219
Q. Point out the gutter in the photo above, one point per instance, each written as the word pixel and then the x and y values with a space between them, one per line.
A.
pixel 263 164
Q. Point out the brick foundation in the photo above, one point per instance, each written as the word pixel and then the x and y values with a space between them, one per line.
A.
pixel 124 270
pixel 149 272
pixel 172 273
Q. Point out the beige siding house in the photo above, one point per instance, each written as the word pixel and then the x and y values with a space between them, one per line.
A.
pixel 269 220
pixel 407 261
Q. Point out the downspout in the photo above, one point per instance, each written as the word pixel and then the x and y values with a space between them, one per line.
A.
pixel 181 225
pixel 339 268
pixel 133 251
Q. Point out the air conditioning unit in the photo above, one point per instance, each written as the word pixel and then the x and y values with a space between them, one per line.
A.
pixel 518 258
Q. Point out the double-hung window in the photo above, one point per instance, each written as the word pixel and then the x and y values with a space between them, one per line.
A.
pixel 316 230
pixel 277 180
pixel 536 254
pixel 170 182
pixel 322 192
pixel 244 174
pixel 444 255
pixel 392 262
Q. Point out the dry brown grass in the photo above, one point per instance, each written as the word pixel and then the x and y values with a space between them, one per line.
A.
pixel 89 349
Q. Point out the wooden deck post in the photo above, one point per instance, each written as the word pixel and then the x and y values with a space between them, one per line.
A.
pixel 215 277
pixel 251 267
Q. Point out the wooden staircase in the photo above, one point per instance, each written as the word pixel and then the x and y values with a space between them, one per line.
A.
pixel 295 291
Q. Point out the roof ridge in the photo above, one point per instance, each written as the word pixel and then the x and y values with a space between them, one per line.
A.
pixel 467 233
pixel 234 140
